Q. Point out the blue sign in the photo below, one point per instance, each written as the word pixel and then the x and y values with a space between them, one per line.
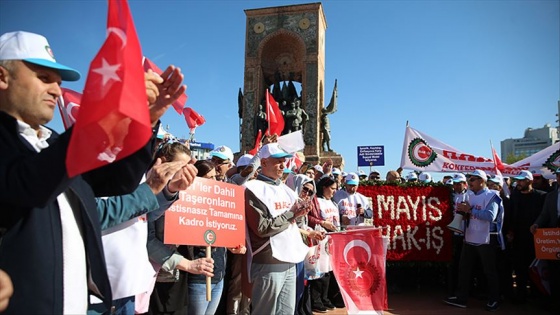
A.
pixel 373 155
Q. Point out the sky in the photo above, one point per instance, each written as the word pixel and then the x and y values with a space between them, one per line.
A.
pixel 464 72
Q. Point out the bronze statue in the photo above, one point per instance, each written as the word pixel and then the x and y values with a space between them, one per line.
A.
pixel 325 124
pixel 261 122
pixel 296 117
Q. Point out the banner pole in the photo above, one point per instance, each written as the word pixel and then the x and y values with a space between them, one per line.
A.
pixel 208 279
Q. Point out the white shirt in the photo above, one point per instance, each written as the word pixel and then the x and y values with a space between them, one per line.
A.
pixel 74 270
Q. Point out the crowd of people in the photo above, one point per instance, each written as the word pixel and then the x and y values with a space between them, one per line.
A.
pixel 94 243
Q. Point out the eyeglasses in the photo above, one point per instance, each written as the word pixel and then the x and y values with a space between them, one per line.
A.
pixel 472 179
pixel 219 162
pixel 308 191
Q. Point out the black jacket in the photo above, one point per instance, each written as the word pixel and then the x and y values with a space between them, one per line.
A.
pixel 30 227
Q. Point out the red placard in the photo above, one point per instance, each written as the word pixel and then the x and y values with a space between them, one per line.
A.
pixel 415 219
pixel 207 213
pixel 547 244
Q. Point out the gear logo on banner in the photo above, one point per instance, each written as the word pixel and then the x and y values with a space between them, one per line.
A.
pixel 553 161
pixel 420 153
pixel 364 279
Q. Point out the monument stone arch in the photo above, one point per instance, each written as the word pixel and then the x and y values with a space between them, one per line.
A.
pixel 285 43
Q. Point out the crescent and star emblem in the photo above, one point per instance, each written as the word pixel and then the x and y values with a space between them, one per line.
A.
pixel 356 243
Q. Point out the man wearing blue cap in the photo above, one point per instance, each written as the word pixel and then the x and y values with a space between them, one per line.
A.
pixel 51 239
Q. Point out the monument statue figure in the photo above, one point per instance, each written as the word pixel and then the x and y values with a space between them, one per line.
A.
pixel 324 123
pixel 296 117
pixel 260 121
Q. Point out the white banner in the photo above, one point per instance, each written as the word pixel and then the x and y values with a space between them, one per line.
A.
pixel 424 153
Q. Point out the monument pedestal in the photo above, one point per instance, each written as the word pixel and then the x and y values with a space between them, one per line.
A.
pixel 338 160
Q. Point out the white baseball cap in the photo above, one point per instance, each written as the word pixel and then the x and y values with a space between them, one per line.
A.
pixel 425 177
pixel 497 179
pixel 318 168
pixel 524 175
pixel 33 48
pixel 244 160
pixel 411 176
pixel 352 179
pixel 479 173
pixel 223 153
pixel 336 171
pixel 273 150
pixel 459 178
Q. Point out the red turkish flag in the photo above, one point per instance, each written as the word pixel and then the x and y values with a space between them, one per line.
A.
pixel 497 161
pixel 69 106
pixel 358 258
pixel 181 101
pixel 274 116
pixel 193 118
pixel 114 120
pixel 256 148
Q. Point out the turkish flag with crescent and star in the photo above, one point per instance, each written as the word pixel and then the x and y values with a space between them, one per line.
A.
pixel 358 259
pixel 69 106
pixel 114 120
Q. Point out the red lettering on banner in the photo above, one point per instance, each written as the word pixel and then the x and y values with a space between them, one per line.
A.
pixel 464 157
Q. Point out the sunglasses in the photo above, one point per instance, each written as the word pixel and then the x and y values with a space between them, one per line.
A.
pixel 308 191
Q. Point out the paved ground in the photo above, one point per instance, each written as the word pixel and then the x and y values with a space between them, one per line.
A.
pixel 429 302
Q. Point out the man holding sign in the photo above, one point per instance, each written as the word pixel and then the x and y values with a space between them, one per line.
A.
pixel 276 245
pixel 550 218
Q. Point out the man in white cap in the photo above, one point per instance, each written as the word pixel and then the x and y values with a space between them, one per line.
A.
pixel 353 206
pixel 425 178
pixel 222 157
pixel 412 177
pixel 52 246
pixel 275 241
pixel 483 208
pixel 526 206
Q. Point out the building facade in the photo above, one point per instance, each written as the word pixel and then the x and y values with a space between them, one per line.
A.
pixel 533 141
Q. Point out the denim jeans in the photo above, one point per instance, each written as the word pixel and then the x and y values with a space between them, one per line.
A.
pixel 274 288
pixel 197 298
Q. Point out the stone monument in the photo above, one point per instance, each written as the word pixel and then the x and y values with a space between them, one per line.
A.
pixel 285 48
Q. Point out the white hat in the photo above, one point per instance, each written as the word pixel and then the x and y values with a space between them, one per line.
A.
pixel 273 150
pixel 459 178
pixel 223 153
pixel 318 168
pixel 425 177
pixel 352 179
pixel 244 160
pixel 498 179
pixel 411 176
pixel 35 49
pixel 344 174
pixel 449 182
pixel 361 173
pixel 479 173
pixel 336 171
pixel 524 175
